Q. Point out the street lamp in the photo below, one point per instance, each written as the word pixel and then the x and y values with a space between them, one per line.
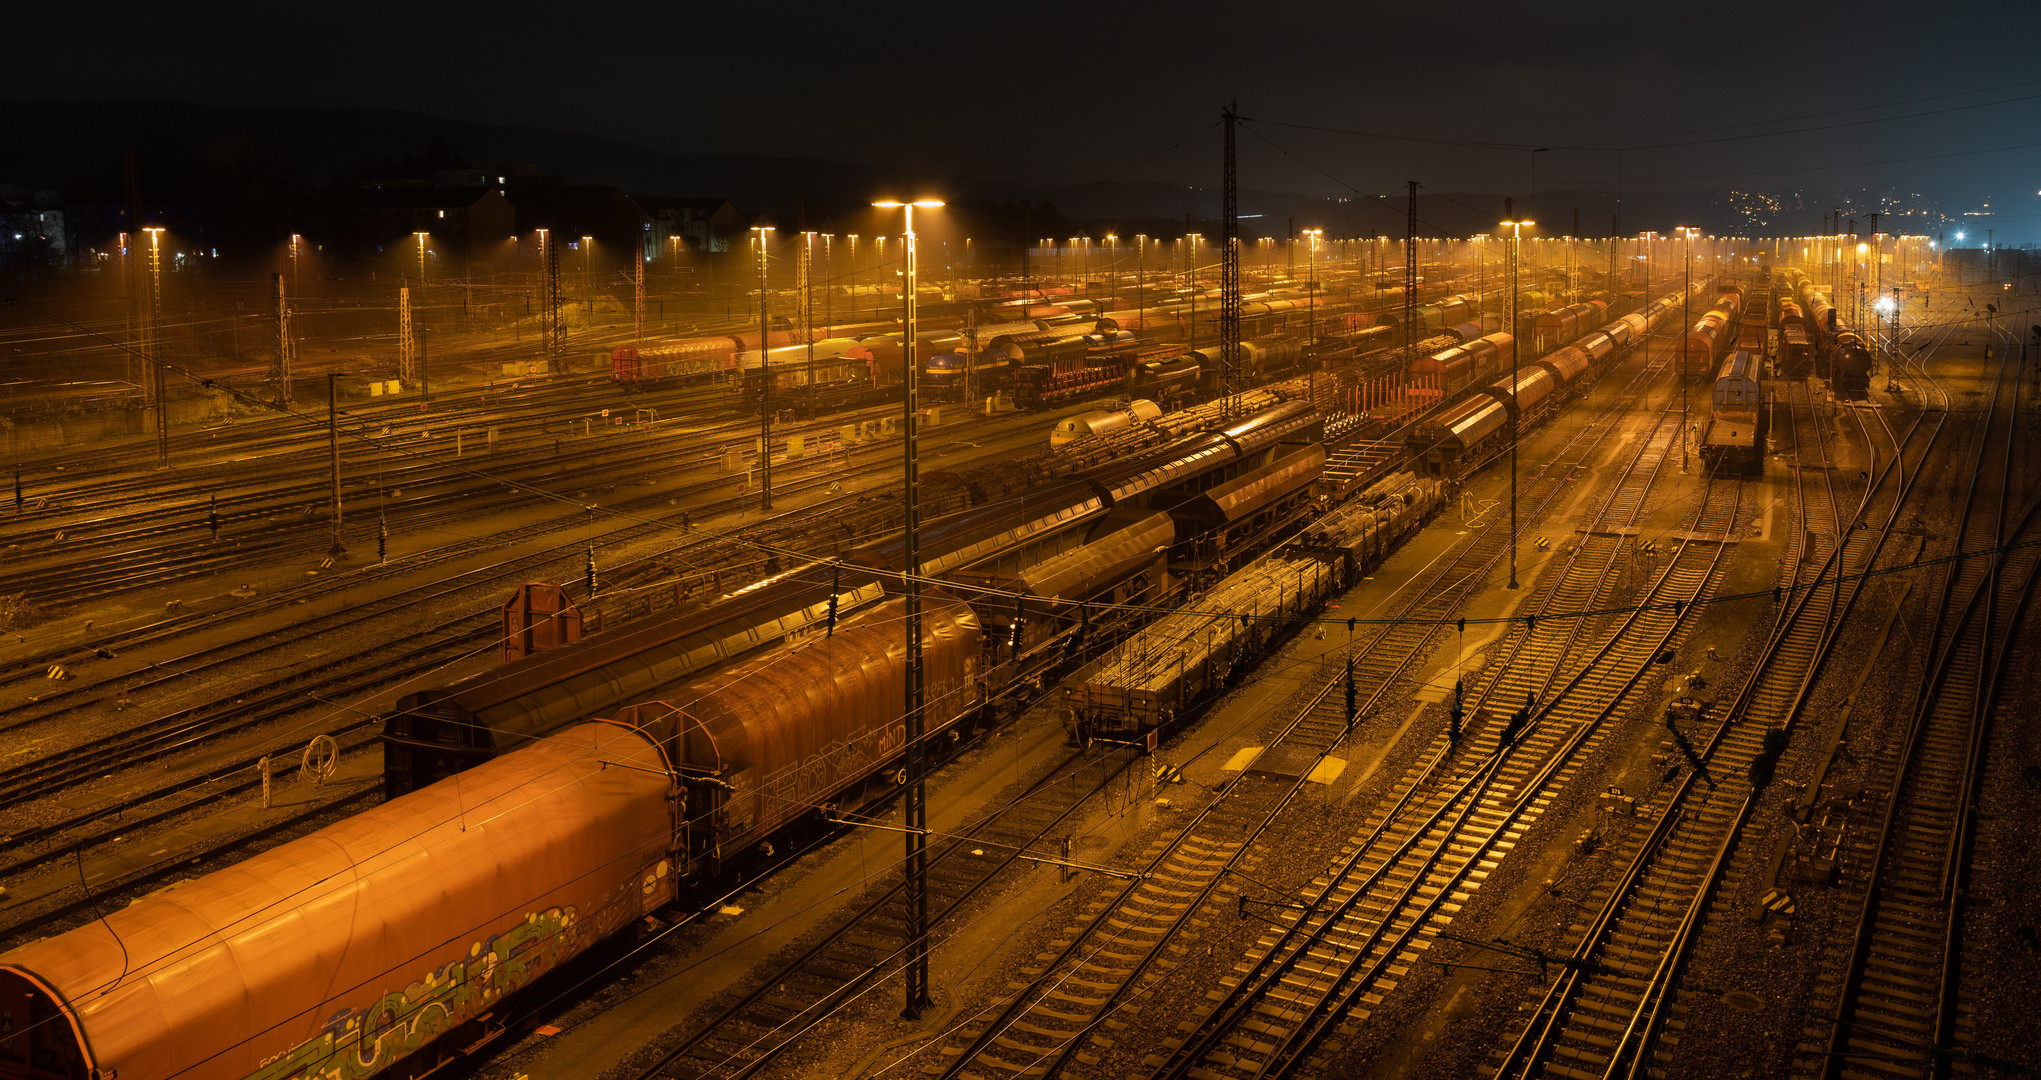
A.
pixel 1311 288
pixel 828 277
pixel 916 806
pixel 1687 325
pixel 1516 237
pixel 1141 276
pixel 764 383
pixel 153 353
pixel 421 257
pixel 853 238
pixel 1112 265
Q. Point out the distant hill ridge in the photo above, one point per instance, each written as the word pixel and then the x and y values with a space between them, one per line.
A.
pixel 66 144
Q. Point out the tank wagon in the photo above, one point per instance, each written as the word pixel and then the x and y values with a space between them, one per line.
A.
pixel 1739 419
pixel 1104 422
pixel 1170 380
pixel 1820 323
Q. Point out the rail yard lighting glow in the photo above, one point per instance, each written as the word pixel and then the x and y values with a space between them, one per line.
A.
pixel 1516 239
pixel 421 256
pixel 916 803
pixel 764 378
pixel 1687 304
pixel 1311 288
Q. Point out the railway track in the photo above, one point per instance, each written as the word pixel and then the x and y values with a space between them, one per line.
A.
pixel 1605 1013
pixel 35 665
pixel 865 949
pixel 1898 1011
pixel 1300 997
pixel 66 490
pixel 1102 967
pixel 1193 861
pixel 440 493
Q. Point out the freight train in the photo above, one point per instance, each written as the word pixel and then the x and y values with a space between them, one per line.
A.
pixel 394 937
pixel 1739 418
pixel 1559 326
pixel 700 358
pixel 1179 662
pixel 1458 439
pixel 1797 339
pixel 1712 335
pixel 440 731
pixel 1839 354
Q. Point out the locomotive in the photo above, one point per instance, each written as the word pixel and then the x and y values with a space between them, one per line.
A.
pixel 1739 419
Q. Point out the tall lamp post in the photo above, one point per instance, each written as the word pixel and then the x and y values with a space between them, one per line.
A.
pixel 1311 288
pixel 1516 237
pixel 1687 324
pixel 1112 267
pixel 421 257
pixel 916 823
pixel 764 383
pixel 588 274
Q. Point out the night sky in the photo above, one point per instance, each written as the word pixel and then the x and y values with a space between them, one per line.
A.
pixel 1943 100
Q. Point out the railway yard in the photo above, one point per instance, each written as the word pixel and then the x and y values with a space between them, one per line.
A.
pixel 1606 677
